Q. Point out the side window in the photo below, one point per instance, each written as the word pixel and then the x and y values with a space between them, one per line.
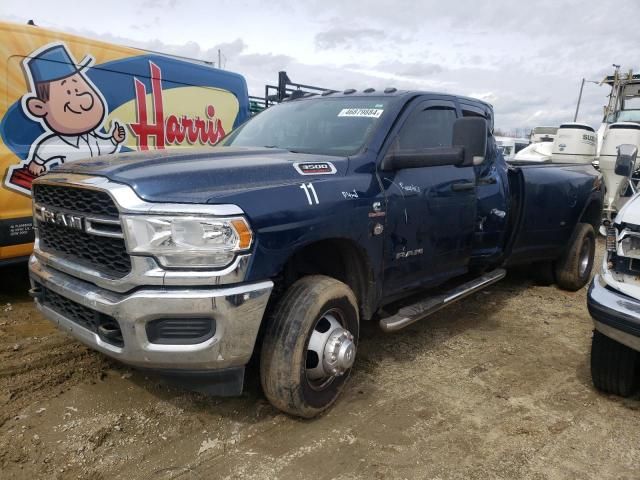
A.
pixel 468 111
pixel 426 128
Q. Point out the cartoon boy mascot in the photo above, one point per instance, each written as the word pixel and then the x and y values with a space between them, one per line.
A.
pixel 70 108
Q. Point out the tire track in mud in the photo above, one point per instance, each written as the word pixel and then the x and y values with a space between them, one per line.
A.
pixel 37 361
pixel 44 374
pixel 497 386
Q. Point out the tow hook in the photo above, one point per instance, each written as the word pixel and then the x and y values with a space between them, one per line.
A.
pixel 36 293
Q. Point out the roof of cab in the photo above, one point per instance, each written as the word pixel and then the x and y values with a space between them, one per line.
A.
pixel 390 93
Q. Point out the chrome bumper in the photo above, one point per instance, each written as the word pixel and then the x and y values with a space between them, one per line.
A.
pixel 614 314
pixel 237 311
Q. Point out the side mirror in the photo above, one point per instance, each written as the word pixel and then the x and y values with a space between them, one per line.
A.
pixel 626 160
pixel 427 157
pixel 471 134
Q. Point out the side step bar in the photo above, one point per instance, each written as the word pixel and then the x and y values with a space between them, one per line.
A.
pixel 412 313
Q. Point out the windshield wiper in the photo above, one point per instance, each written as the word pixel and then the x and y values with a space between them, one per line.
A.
pixel 283 148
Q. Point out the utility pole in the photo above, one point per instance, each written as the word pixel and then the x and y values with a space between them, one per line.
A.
pixel 219 59
pixel 575 116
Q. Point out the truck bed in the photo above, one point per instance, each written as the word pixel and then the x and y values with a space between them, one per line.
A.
pixel 553 197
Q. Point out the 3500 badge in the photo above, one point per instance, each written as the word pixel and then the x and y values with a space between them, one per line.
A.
pixel 315 168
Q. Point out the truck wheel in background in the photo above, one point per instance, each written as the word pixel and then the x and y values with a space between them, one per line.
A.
pixel 573 270
pixel 614 366
pixel 309 346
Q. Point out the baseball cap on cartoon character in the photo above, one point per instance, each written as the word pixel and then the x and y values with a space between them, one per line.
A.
pixel 70 107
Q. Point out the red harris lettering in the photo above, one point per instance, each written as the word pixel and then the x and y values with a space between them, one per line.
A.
pixel 173 130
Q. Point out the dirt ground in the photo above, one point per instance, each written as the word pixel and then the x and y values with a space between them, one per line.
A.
pixel 497 386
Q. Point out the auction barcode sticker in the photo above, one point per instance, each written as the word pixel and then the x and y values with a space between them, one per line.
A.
pixel 361 112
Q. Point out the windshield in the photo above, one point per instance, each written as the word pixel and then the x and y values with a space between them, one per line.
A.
pixel 628 116
pixel 327 126
pixel 545 130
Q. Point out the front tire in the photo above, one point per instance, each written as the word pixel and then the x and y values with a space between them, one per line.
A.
pixel 573 270
pixel 614 366
pixel 309 346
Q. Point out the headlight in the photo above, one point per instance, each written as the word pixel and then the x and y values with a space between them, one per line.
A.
pixel 629 244
pixel 188 241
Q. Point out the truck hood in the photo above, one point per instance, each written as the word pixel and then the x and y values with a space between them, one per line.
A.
pixel 630 212
pixel 209 175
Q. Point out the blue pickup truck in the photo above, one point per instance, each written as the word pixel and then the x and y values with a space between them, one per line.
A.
pixel 304 222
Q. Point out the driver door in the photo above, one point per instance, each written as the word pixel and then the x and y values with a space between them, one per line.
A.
pixel 431 209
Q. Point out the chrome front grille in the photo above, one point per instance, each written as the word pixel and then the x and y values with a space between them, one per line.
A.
pixel 104 254
pixel 98 244
pixel 78 200
pixel 89 245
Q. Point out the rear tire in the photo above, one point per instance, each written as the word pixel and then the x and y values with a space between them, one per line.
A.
pixel 573 270
pixel 614 366
pixel 314 312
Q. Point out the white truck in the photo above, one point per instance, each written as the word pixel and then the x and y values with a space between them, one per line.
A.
pixel 614 296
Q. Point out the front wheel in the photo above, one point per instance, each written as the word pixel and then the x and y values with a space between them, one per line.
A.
pixel 309 346
pixel 614 366
pixel 573 270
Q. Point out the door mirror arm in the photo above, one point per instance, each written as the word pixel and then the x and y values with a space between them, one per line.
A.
pixel 425 157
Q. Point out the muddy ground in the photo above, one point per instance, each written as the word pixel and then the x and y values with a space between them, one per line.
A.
pixel 497 387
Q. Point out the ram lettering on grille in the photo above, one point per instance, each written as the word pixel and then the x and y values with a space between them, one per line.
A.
pixel 62 228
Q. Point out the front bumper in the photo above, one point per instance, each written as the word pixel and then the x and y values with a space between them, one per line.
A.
pixel 615 314
pixel 236 310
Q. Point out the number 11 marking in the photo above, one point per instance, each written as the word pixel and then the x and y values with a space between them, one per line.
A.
pixel 308 187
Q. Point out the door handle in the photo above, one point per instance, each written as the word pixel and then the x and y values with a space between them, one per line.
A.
pixel 487 181
pixel 463 186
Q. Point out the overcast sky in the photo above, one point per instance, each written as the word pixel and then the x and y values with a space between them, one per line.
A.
pixel 526 58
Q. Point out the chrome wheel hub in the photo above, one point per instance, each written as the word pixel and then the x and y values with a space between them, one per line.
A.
pixel 331 350
pixel 584 258
pixel 339 352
